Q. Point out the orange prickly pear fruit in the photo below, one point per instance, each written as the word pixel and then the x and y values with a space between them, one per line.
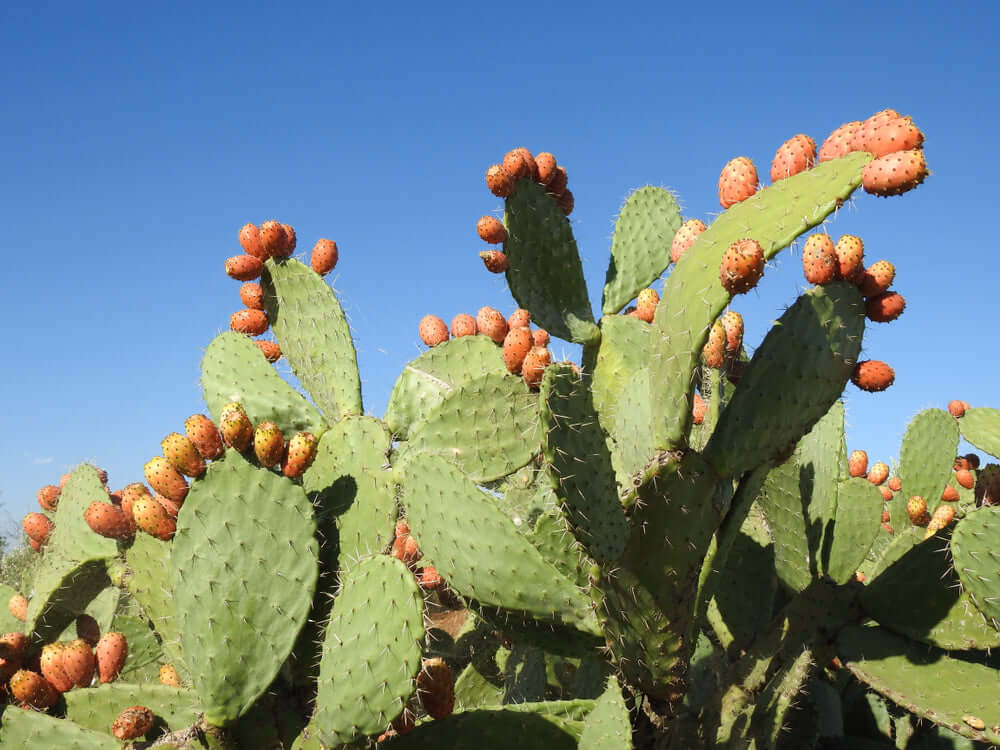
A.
pixel 152 517
pixel 533 367
pixel 112 650
pixel 514 163
pixel 557 185
pixel 892 135
pixel 500 181
pixel 540 337
pixel 48 497
pixel 50 663
pixel 249 322
pixel 819 259
pixel 955 408
pixel 268 443
pixel 78 662
pixel 872 376
pixel 885 307
pixel 714 351
pixel 491 230
pixel 895 484
pixel 685 237
pixel 795 155
pixel 949 494
pixel 530 165
pixel 878 473
pixel 545 165
pixel 300 454
pixel 732 324
pixel 737 182
pixel 251 243
pixel 863 134
pixel 270 350
pixel 132 722
pixel 235 426
pixel 877 278
pixel 37 526
pixel 88 630
pixel 165 479
pixel 252 295
pixel 324 256
pixel 31 689
pixel 463 324
pixel 916 509
pixel 203 433
pixel 169 676
pixel 646 304
pixel 108 520
pixel 432 330
pixel 742 266
pixel 428 578
pixel 839 142
pixel 272 238
pixel 436 688
pixel 894 174
pixel 129 494
pixel 886 493
pixel 494 260
pixel 13 645
pixel 850 257
pixel 857 464
pixel 885 516
pixel 243 267
pixel 290 241
pixel 965 478
pixel 404 546
pixel 182 454
pixel 492 324
pixel 698 409
pixel 516 346
pixel 17 605
pixel 520 318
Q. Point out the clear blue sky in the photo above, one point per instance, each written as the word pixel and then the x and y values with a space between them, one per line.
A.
pixel 139 137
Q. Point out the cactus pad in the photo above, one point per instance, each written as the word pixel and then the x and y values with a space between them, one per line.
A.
pixel 981 427
pixel 977 558
pixel 31 729
pixel 72 537
pixel 927 454
pixel 96 708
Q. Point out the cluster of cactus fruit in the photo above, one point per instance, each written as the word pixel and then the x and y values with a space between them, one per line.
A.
pixel 665 545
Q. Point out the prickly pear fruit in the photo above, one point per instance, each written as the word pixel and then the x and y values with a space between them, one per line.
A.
pixel 33 690
pixel 916 509
pixel 13 645
pixel 112 650
pixel 491 230
pixel 742 266
pixel 732 324
pixel 516 346
pixel 463 324
pixel 646 304
pixel 249 322
pixel 268 443
pixel 108 520
pixel 182 455
pixel 48 497
pixel 540 337
pixel 499 181
pixel 545 166
pixel 492 324
pixel 78 662
pixel 429 579
pixel 895 134
pixel 557 185
pixel 566 201
pixel 273 238
pixel 404 546
pixel 169 676
pixel 290 241
pixel 203 433
pixel 894 174
pixel 50 663
pixel 17 605
pixel 878 473
pixel 520 318
pixel 864 132
pixel 243 267
pixel 872 375
pixel 850 257
pixel 432 330
pixel 153 518
pixel 885 307
pixel 714 351
pixel 839 142
pixel 955 408
pixel 857 464
pixel 324 256
pixel 685 237
pixel 530 169
pixel 270 350
pixel 165 479
pixel 886 493
pixel 494 260
pixel 819 259
pixel 235 426
pixel 88 630
pixel 877 278
pixel 515 164
pixel 252 295
pixel 949 494
pixel 300 454
pixel 698 409
pixel 250 241
pixel 942 516
pixel 737 182
pixel 795 155
pixel 895 484
pixel 436 688
pixel 965 478
pixel 132 722
pixel 37 526
pixel 534 366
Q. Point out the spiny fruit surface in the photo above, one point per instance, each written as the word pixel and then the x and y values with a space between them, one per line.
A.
pixel 270 350
pixel 404 545
pixel 732 324
pixel 520 318
pixel 500 181
pixel 533 367
pixel 943 515
pixel 324 256
pixel 566 201
pixel 540 337
pixel 78 662
pixel 272 237
pixel 742 266
pixel 299 455
pixel 492 324
pixel 132 722
pixel 249 322
pixel 151 517
pixel 50 662
pixel 885 307
pixel 557 185
pixel 955 407
pixel 514 162
pixel 17 605
pixel 111 650
pixel 893 134
pixel 877 278
pixel 850 251
pixel 685 237
pixel 182 454
pixel 714 351
pixel 463 324
pixel 698 409
pixel 32 689
pixel 545 165
pixel 108 520
pixel 516 345
pixel 819 259
pixel 48 497
pixel 895 484
pixel 872 375
pixel 250 241
pixel 491 230
pixel 878 473
pixel 737 182
pixel 37 526
pixel 839 142
pixel 894 174
pixel 432 330
pixel 235 426
pixel 886 493
pixel 165 479
pixel 203 433
pixel 857 463
pixel 494 260
pixel 169 676
pixel 252 295
pixel 129 494
pixel 290 241
pixel 916 509
pixel 646 304
pixel 864 132
pixel 268 444
pixel 436 688
pixel 13 645
pixel 795 155
pixel 244 267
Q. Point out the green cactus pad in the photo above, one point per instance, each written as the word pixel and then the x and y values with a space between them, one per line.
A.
pixel 102 608
pixel 425 381
pixel 313 334
pixel 981 427
pixel 581 463
pixel 495 728
pixel 20 728
pixel 234 369
pixel 693 297
pixel 923 681
pixel 822 455
pixel 62 590
pixel 488 426
pixel 608 727
pixel 640 250
pixel 624 350
pixel 349 479
pixel 847 541
pixel 977 558
pixel 72 538
pixel 149 580
pixel 633 431
pixel 795 376
pixel 96 708
pixel 927 455
pixel 244 566
pixel 145 655
pixel 795 534
pixel 557 545
pixel 545 274
pixel 480 684
pixel 8 623
pixel 371 652
pixel 477 549
pixel 915 592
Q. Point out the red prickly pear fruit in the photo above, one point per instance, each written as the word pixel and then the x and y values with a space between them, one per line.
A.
pixel 31 689
pixel 235 426
pixel 698 409
pixel 50 663
pixel 732 324
pixel 324 256
pixel 249 322
pixel 78 662
pixel 872 375
pixel 885 307
pixel 742 266
pixel 892 135
pixel 540 337
pixel 165 479
pixel 500 181
pixel 819 259
pixel 839 142
pixel 244 267
pixel 251 243
pixel 557 185
pixel 965 478
pixel 48 497
pixel 268 443
pixel 17 605
pixel 955 408
pixel 885 516
pixel 645 304
pixel 520 318
pixel 886 493
pixel 182 454
pixel 857 464
pixel 895 484
pixel 492 324
pixel 515 164
pixel 463 324
pixel 270 350
pixel 203 433
pixel 850 257
pixel 894 174
pixel 863 134
pixel 108 520
pixel 429 579
pixel 545 164
pixel 795 155
pixel 436 688
pixel 88 630
pixel 916 509
pixel 152 517
pixel 714 351
pixel 533 367
pixel 516 346
pixel 877 278
pixel 878 473
pixel 491 230
pixel 132 722
pixel 37 526
pixel 252 295
pixel 685 237
pixel 737 182
pixel 272 238
pixel 290 241
pixel 169 676
pixel 432 330
pixel 404 546
pixel 112 650
pixel 300 454
pixel 949 494
pixel 566 201
pixel 494 260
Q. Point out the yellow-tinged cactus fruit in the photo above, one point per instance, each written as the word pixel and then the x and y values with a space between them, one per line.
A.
pixel 943 515
pixel 714 351
pixel 685 237
pixel 17 605
pixel 203 433
pixel 916 509
pixel 850 257
pixel 878 473
pixel 153 518
pixel 236 427
pixel 268 444
pixel 857 464
pixel 436 688
pixel 646 303
pixel 169 676
pixel 31 689
pixel 182 454
pixel 737 182
pixel 165 479
pixel 299 454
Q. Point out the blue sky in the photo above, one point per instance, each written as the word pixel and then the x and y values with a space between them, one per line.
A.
pixel 138 138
